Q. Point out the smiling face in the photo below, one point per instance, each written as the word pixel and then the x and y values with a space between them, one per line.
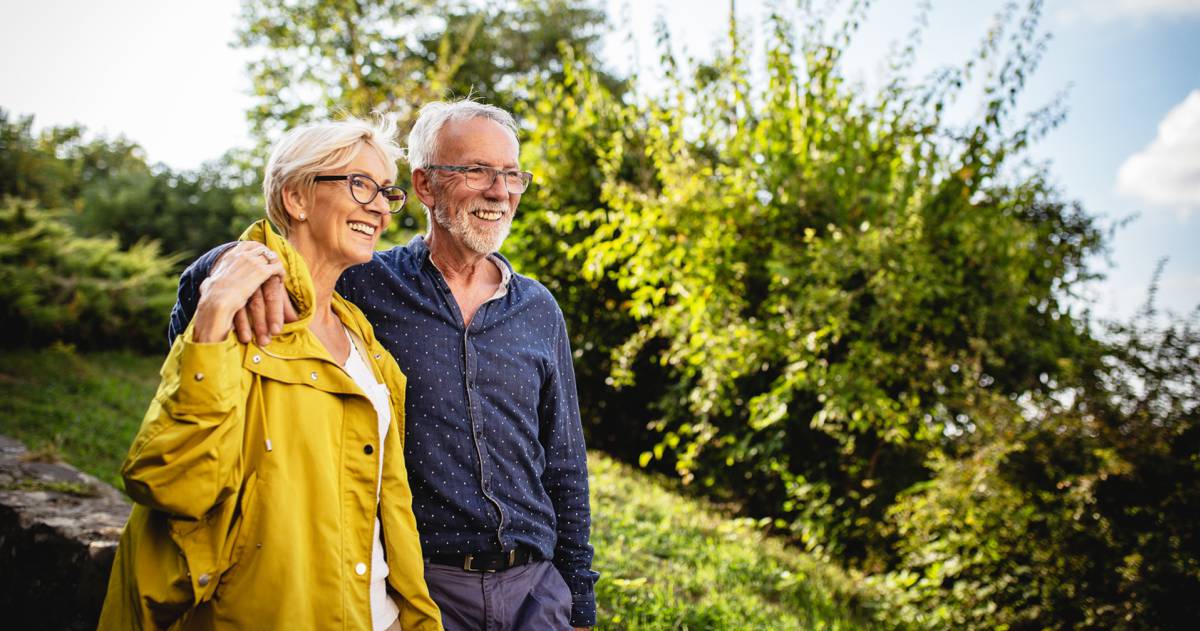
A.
pixel 477 221
pixel 339 232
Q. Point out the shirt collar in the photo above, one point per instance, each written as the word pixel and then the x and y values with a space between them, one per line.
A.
pixel 419 246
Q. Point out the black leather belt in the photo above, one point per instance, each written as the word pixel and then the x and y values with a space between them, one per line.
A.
pixel 485 561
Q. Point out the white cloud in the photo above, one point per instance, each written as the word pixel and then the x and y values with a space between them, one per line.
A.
pixel 1167 172
pixel 1075 11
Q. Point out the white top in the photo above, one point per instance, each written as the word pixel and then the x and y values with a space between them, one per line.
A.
pixel 383 610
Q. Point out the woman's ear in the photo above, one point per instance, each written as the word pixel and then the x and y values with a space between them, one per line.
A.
pixel 296 203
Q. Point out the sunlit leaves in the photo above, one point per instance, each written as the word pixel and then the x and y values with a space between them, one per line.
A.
pixel 831 278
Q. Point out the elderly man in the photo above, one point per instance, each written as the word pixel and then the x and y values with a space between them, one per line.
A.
pixel 494 443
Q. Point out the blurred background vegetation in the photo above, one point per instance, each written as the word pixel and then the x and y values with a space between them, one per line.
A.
pixel 853 323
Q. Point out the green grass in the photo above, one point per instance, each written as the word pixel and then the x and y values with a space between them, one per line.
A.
pixel 672 562
pixel 82 408
pixel 666 561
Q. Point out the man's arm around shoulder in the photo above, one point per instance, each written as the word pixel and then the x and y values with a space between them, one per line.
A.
pixel 264 313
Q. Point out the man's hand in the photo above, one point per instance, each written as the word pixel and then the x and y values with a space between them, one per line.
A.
pixel 261 315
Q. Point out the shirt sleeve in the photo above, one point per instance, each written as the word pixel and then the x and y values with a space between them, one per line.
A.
pixel 188 295
pixel 566 480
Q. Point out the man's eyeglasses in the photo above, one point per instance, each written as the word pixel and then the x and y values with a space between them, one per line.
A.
pixel 363 189
pixel 480 178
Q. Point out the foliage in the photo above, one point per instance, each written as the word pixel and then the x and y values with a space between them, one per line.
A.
pixel 1077 517
pixel 666 561
pixel 58 286
pixel 322 56
pixel 832 280
pixel 513 42
pixel 186 211
pixel 570 123
pixel 860 313
pixel 110 191
pixel 54 167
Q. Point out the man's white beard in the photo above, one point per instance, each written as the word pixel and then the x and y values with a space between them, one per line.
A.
pixel 480 240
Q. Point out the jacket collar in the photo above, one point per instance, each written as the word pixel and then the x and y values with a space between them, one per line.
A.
pixel 296 340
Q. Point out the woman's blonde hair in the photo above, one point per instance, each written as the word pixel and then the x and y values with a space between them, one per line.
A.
pixel 305 151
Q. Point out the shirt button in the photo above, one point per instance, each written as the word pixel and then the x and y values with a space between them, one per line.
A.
pixel 204 580
pixel 360 569
pixel 256 359
pixel 199 376
pixel 367 449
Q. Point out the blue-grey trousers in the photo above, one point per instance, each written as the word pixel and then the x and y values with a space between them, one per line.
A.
pixel 532 596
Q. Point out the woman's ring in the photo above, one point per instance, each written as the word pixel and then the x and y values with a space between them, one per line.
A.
pixel 269 255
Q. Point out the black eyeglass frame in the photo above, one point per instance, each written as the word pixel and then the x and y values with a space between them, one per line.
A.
pixel 525 176
pixel 378 189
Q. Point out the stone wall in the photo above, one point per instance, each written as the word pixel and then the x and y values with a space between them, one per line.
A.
pixel 58 532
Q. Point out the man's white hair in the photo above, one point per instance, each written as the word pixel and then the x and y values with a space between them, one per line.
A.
pixel 306 151
pixel 423 142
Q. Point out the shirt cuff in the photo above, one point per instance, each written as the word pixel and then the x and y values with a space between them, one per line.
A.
pixel 583 609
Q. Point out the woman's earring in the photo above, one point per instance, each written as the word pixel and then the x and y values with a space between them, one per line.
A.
pixel 303 216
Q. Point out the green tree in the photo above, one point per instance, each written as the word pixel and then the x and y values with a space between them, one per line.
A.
pixel 110 191
pixel 322 56
pixel 54 167
pixel 855 317
pixel 186 211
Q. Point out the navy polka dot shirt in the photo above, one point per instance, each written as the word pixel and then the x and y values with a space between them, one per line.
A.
pixel 493 440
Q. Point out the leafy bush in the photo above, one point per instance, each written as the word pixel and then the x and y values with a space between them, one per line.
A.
pixel 1078 515
pixel 58 286
pixel 569 126
pixel 828 280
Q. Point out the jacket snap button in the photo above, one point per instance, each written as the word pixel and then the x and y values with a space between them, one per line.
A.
pixel 367 449
pixel 204 580
pixel 256 359
pixel 314 376
pixel 378 355
pixel 199 376
pixel 360 569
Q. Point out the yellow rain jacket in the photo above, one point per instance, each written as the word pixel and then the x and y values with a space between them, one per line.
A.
pixel 254 476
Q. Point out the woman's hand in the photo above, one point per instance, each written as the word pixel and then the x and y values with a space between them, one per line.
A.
pixel 242 271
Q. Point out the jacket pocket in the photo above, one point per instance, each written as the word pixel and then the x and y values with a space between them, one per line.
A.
pixel 243 530
pixel 156 587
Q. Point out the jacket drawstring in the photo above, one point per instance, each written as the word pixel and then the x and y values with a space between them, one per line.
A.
pixel 262 410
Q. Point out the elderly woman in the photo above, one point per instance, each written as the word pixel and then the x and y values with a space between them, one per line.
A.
pixel 269 482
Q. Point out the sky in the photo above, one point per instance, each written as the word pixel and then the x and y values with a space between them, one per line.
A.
pixel 162 73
